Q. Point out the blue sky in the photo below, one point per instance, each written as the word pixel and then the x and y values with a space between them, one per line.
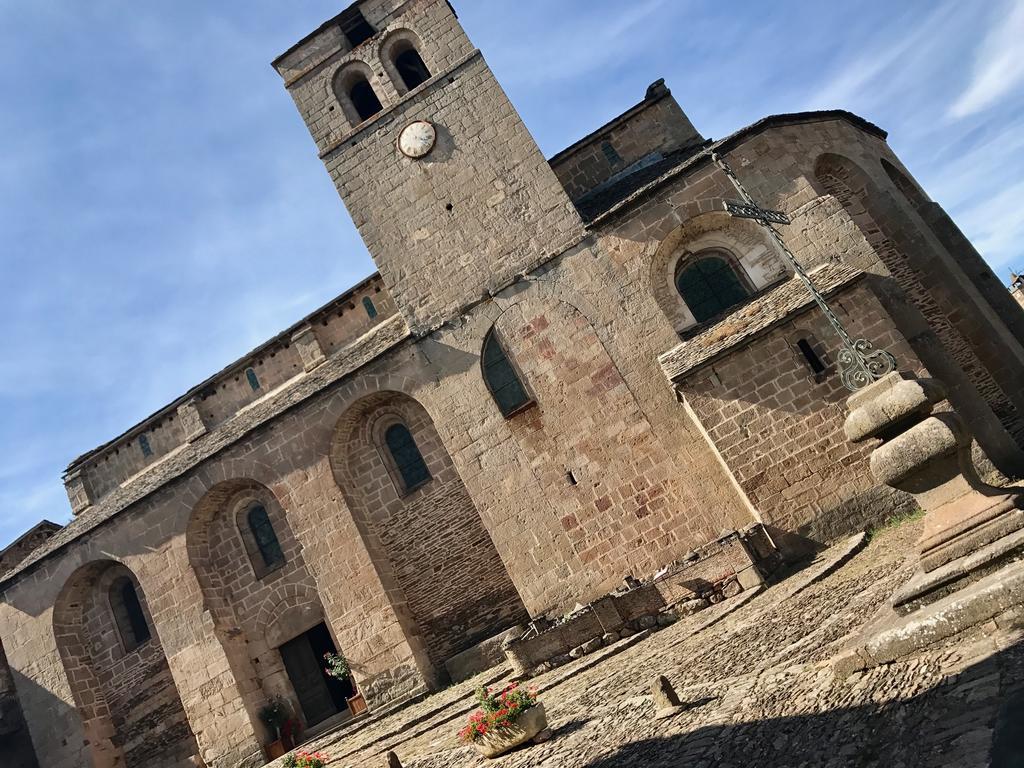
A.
pixel 162 209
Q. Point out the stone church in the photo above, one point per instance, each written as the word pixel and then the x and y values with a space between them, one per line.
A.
pixel 566 370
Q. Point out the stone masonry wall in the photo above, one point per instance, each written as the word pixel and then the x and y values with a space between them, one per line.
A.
pixel 25 545
pixel 779 427
pixel 482 207
pixel 652 129
pixel 15 742
pixel 779 165
pixel 237 586
pixel 134 684
pixel 443 558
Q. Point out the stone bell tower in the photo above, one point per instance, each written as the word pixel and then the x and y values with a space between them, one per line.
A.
pixel 447 187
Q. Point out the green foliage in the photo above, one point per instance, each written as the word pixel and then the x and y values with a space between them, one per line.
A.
pixel 497 710
pixel 900 518
pixel 275 714
pixel 337 666
pixel 305 760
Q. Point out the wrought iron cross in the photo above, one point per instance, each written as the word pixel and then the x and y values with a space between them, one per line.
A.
pixel 860 363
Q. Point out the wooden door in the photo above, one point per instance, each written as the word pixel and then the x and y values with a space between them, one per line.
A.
pixel 306 672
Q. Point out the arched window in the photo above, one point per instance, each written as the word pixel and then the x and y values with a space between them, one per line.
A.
pixel 502 379
pixel 709 286
pixel 264 536
pixel 252 378
pixel 406 456
pixel 814 362
pixel 364 99
pixel 411 68
pixel 128 614
pixel 371 310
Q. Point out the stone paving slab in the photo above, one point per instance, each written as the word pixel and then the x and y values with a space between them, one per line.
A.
pixel 757 678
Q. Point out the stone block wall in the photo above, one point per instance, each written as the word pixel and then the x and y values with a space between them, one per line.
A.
pixel 15 742
pixel 779 427
pixel 26 544
pixel 443 558
pixel 480 208
pixel 652 129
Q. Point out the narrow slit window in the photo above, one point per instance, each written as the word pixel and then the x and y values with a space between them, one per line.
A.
pixel 411 68
pixel 266 539
pixel 371 310
pixel 815 363
pixel 406 456
pixel 364 99
pixel 128 614
pixel 147 450
pixel 502 379
pixel 252 378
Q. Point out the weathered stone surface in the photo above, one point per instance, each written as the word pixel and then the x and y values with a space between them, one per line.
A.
pixel 666 700
pixel 872 414
pixel 606 472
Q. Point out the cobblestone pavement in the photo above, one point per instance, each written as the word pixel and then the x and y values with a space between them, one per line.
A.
pixel 755 675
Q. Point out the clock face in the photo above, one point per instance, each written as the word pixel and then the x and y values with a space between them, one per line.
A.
pixel 417 139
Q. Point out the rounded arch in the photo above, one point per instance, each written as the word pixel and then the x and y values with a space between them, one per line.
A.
pixel 355 88
pixel 434 529
pixel 894 244
pixel 405 60
pixel 907 188
pixel 108 678
pixel 288 617
pixel 89 697
pixel 744 244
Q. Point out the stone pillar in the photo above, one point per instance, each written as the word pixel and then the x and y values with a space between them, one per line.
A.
pixel 968 525
pixel 78 493
pixel 210 694
pixel 192 421
pixel 308 346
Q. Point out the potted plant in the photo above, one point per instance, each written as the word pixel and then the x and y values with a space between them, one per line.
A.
pixel 274 715
pixel 505 720
pixel 306 760
pixel 338 668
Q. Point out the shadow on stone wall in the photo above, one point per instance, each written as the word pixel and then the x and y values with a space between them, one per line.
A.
pixel 57 720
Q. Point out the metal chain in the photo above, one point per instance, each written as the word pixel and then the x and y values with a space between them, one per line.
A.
pixel 860 363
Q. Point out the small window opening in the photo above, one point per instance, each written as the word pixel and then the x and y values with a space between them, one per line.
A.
pixel 411 68
pixel 709 286
pixel 610 153
pixel 355 27
pixel 364 99
pixel 252 378
pixel 144 445
pixel 368 306
pixel 266 539
pixel 406 456
pixel 815 362
pixel 501 378
pixel 128 614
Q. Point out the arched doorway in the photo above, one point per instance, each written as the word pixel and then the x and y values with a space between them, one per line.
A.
pixel 264 603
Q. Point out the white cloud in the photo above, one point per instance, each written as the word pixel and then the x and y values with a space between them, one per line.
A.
pixel 999 63
pixel 891 64
pixel 996 227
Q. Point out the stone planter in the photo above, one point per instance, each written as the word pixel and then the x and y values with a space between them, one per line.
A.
pixel 523 729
